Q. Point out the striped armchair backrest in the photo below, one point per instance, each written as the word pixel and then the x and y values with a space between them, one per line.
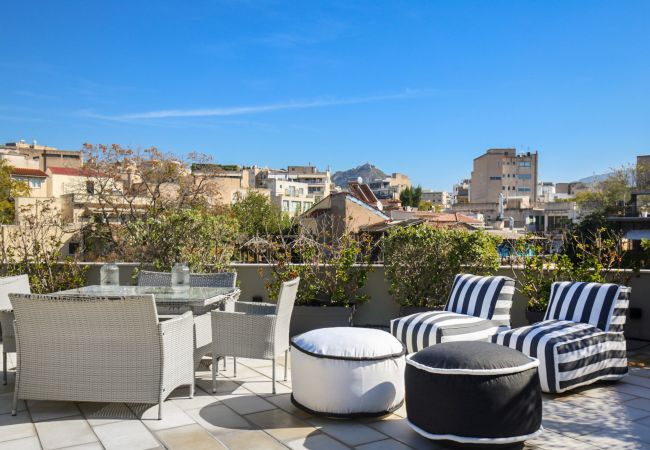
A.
pixel 603 305
pixel 485 297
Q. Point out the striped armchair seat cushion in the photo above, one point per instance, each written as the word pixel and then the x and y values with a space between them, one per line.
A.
pixel 478 307
pixel 419 331
pixel 571 354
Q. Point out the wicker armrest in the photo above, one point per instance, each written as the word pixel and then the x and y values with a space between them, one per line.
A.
pixel 255 307
pixel 239 334
pixel 177 336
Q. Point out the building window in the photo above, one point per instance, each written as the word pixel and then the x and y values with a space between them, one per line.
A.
pixel 524 189
pixel 524 176
pixel 285 205
pixel 35 183
pixel 295 207
pixel 307 205
pixel 90 187
pixel 494 178
pixel 524 163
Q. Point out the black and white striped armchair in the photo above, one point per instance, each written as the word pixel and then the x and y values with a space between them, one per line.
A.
pixel 580 340
pixel 478 308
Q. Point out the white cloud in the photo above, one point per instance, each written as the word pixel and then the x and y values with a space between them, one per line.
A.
pixel 258 109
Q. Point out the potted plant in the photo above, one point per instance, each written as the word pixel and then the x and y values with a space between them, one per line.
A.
pixel 332 275
pixel 589 258
pixel 421 262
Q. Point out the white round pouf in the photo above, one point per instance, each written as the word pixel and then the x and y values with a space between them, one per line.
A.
pixel 347 372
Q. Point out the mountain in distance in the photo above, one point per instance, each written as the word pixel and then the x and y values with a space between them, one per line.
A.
pixel 595 178
pixel 366 171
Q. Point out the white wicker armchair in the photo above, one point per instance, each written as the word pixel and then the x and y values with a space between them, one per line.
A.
pixel 99 350
pixel 254 330
pixel 19 285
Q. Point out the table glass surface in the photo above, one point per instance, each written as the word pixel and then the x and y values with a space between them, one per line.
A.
pixel 162 294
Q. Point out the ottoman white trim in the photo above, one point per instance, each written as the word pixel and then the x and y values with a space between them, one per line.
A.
pixel 471 440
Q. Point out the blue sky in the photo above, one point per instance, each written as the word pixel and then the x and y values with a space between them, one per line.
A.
pixel 419 87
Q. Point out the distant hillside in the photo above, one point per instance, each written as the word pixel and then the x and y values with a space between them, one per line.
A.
pixel 595 178
pixel 366 171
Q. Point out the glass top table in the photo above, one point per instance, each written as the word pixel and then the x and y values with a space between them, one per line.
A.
pixel 169 300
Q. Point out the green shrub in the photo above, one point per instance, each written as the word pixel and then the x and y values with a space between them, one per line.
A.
pixel 421 261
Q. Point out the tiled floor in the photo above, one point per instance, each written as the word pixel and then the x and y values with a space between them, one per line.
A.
pixel 244 415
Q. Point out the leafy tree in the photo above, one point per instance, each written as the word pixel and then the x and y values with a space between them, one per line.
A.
pixel 333 268
pixel 9 190
pixel 34 247
pixel 257 216
pixel 126 185
pixel 411 196
pixel 204 240
pixel 426 206
pixel 611 195
pixel 421 261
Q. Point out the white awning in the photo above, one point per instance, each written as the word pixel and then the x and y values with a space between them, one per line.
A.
pixel 637 235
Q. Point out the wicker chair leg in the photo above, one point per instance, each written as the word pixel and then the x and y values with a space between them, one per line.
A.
pixel 286 360
pixel 224 363
pixel 4 367
pixel 160 410
pixel 14 403
pixel 273 365
pixel 192 390
pixel 234 367
pixel 215 361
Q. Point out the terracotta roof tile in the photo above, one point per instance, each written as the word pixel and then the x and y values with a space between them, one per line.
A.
pixel 22 171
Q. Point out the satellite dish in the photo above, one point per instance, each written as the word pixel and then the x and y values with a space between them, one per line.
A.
pixel 360 180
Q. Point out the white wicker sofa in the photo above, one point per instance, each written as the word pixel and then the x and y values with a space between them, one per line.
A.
pixel 478 308
pixel 88 349
pixel 580 340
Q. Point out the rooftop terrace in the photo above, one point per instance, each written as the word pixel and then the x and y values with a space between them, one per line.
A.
pixel 244 415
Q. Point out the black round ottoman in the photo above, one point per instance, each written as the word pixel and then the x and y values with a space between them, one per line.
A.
pixel 473 393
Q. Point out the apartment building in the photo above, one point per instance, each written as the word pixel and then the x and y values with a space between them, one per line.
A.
pixel 389 188
pixel 292 197
pixel 461 192
pixel 20 153
pixel 504 171
pixel 319 183
pixel 436 197
pixel 228 183
pixel 643 171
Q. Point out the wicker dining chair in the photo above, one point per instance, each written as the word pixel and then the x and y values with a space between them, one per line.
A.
pixel 254 330
pixel 93 349
pixel 202 328
pixel 19 285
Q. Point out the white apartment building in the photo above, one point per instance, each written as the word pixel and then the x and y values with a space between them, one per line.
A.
pixel 436 197
pixel 319 183
pixel 292 197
